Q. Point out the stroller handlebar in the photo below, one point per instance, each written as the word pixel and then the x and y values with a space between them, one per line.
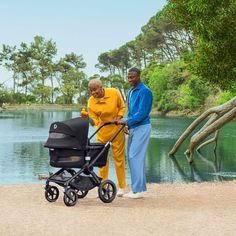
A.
pixel 105 124
pixel 111 123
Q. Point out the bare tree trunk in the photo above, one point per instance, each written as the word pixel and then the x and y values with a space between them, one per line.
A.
pixel 219 116
pixel 52 85
pixel 14 82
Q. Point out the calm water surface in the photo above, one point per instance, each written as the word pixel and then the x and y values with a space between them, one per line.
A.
pixel 23 157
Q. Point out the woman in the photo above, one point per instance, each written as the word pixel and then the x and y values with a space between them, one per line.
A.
pixel 106 104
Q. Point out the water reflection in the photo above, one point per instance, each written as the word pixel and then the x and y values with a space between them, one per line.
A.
pixel 23 157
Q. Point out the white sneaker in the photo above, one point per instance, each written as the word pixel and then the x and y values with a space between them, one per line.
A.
pixel 133 195
pixel 120 192
pixel 127 194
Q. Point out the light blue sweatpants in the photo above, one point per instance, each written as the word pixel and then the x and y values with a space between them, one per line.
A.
pixel 136 151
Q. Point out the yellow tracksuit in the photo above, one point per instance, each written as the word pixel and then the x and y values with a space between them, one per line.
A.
pixel 106 109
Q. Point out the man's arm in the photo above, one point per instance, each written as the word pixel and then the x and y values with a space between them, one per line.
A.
pixel 144 108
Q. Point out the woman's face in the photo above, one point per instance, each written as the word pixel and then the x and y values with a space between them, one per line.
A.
pixel 96 91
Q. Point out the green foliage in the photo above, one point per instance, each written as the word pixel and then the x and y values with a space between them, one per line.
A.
pixel 168 101
pixel 42 93
pixel 163 92
pixel 72 78
pixel 158 83
pixel 34 68
pixel 213 25
pixel 193 93
pixel 5 96
pixel 61 100
pixel 148 71
pixel 164 80
pixel 174 87
pixel 19 98
pixel 68 92
pixel 225 96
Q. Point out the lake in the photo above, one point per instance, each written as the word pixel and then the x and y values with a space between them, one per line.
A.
pixel 23 156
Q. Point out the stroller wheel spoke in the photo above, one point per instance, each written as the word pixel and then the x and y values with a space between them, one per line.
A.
pixel 70 197
pixel 51 193
pixel 107 191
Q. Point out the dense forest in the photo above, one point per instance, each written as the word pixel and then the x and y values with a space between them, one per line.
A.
pixel 187 54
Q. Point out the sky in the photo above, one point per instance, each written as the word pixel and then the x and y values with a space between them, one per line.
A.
pixel 87 27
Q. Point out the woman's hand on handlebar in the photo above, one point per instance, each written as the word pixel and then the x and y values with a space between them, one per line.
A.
pixel 117 120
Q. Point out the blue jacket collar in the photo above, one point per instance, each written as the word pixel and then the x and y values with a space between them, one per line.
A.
pixel 138 87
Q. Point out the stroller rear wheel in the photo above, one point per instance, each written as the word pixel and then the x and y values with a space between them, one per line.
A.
pixel 107 191
pixel 70 197
pixel 51 193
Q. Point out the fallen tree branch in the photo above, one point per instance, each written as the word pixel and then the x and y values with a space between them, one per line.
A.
pixel 227 117
pixel 216 112
pixel 214 139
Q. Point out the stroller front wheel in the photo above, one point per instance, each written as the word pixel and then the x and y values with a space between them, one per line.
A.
pixel 70 197
pixel 107 191
pixel 51 193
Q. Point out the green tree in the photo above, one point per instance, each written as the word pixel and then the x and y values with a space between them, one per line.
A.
pixel 73 79
pixel 165 80
pixel 5 96
pixel 213 25
pixel 42 55
pixel 42 93
pixel 193 93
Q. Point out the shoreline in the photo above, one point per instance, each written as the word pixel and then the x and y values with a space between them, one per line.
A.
pixel 76 107
pixel 207 208
pixel 49 107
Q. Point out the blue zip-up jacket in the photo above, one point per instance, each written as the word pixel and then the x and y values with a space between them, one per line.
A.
pixel 139 106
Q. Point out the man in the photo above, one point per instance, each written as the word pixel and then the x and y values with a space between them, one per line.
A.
pixel 138 122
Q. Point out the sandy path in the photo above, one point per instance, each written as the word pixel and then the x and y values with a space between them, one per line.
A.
pixel 179 209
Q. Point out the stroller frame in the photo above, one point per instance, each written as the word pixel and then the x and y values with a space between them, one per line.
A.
pixel 77 184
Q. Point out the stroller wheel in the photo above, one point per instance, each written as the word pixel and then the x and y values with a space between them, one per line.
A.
pixel 81 193
pixel 107 191
pixel 70 197
pixel 51 193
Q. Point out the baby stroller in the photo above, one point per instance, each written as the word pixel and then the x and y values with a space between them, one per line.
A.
pixel 69 148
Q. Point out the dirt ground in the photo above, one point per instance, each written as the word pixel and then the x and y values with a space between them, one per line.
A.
pixel 167 209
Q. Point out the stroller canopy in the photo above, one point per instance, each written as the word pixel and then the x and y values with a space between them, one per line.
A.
pixel 71 133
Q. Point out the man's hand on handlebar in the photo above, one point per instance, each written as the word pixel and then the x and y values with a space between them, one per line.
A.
pixel 122 122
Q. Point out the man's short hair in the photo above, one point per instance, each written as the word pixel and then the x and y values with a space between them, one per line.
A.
pixel 134 69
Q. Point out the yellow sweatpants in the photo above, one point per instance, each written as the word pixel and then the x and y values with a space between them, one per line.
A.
pixel 118 153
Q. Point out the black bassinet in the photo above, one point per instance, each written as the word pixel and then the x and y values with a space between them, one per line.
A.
pixel 68 144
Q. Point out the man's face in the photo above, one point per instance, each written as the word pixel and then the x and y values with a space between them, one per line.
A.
pixel 133 78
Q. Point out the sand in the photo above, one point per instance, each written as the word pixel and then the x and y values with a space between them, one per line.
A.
pixel 167 209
